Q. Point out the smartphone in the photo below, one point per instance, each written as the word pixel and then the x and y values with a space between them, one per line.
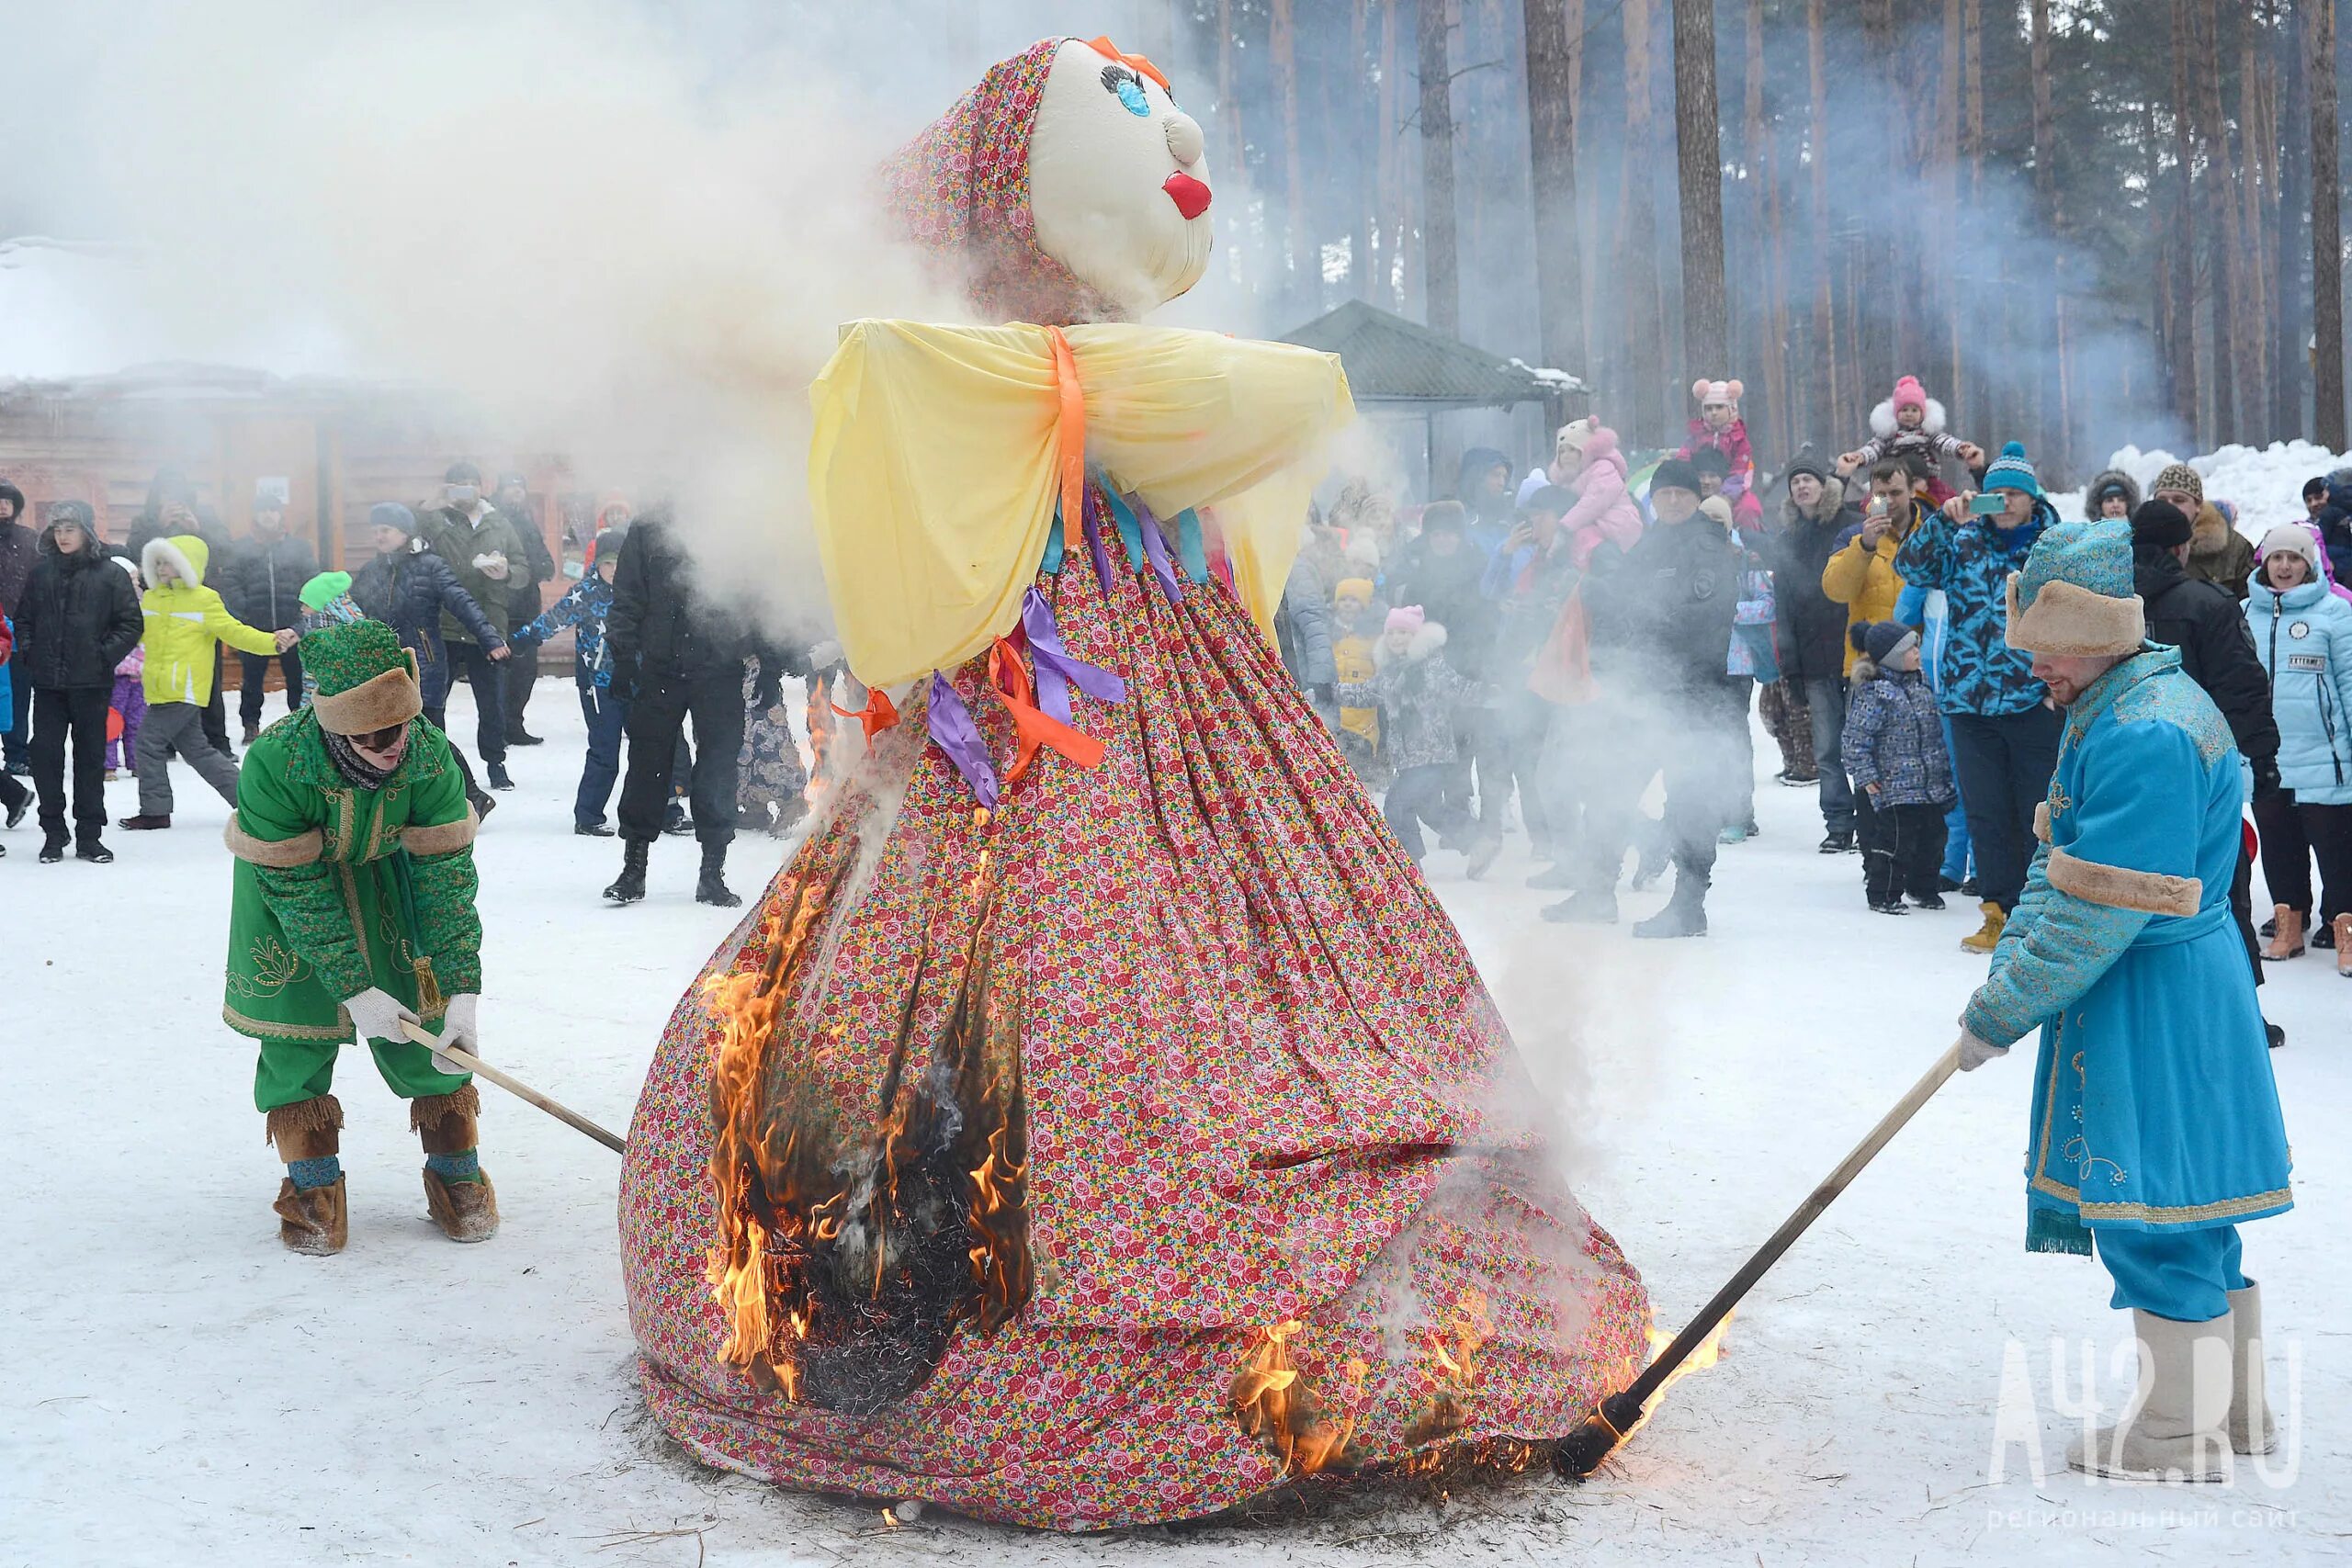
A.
pixel 1988 503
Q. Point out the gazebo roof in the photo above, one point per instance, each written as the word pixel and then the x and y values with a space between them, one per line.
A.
pixel 1391 360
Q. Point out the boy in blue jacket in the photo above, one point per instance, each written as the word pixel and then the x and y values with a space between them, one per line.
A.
pixel 585 606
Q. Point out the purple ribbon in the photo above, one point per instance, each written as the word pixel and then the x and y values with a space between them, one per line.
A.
pixel 1057 670
pixel 953 731
pixel 1155 550
pixel 1091 513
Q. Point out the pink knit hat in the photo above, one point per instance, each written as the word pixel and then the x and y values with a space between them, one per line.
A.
pixel 1909 394
pixel 1407 618
pixel 1711 393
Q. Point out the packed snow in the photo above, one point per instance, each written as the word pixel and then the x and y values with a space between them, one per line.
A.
pixel 179 1389
pixel 2265 483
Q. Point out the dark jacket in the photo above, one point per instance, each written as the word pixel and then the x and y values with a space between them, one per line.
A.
pixel 1894 739
pixel 1811 625
pixel 458 540
pixel 2216 648
pixel 149 526
pixel 1486 519
pixel 1661 613
pixel 19 547
pixel 537 567
pixel 661 626
pixel 79 618
pixel 1446 588
pixel 262 583
pixel 413 591
pixel 2334 524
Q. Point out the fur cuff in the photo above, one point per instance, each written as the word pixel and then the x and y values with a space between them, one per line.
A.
pixel 308 1129
pixel 2117 887
pixel 375 704
pixel 445 1123
pixel 302 848
pixel 2071 622
pixel 2042 821
pixel 441 837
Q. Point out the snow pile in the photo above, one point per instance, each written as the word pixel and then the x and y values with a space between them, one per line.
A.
pixel 2265 483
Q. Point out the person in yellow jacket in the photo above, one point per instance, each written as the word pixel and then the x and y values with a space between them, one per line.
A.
pixel 184 619
pixel 1352 652
pixel 1861 570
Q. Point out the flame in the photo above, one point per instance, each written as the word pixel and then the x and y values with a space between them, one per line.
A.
pixel 1452 1363
pixel 1273 1404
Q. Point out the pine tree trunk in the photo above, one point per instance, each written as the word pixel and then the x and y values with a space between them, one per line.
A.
pixel 2160 216
pixel 1644 311
pixel 1698 130
pixel 1830 408
pixel 1879 303
pixel 1972 300
pixel 1776 428
pixel 2257 190
pixel 2219 218
pixel 2184 228
pixel 1552 165
pixel 1440 282
pixel 1303 268
pixel 1952 215
pixel 2327 235
pixel 1388 224
pixel 2288 310
pixel 2052 423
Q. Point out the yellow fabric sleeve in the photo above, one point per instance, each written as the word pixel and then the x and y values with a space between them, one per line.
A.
pixel 932 470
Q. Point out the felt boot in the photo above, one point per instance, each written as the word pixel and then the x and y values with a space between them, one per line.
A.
pixel 2176 1433
pixel 2286 935
pixel 313 1219
pixel 712 888
pixel 448 1125
pixel 2251 1430
pixel 629 885
pixel 2342 929
pixel 1987 937
pixel 1585 908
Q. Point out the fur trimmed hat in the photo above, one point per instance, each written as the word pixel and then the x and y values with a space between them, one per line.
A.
pixel 2075 597
pixel 367 681
pixel 1717 510
pixel 2182 477
pixel 1717 394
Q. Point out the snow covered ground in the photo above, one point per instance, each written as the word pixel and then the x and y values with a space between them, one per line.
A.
pixel 176 1389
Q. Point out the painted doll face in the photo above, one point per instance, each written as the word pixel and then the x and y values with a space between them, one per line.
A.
pixel 1118 180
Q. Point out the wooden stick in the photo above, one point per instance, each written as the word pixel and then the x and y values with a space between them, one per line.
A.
pixel 514 1087
pixel 1618 1414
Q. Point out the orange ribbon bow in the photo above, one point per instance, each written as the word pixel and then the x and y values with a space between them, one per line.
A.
pixel 1008 679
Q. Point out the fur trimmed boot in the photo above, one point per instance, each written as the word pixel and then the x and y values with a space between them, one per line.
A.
pixel 2251 1430
pixel 2177 1431
pixel 448 1125
pixel 629 885
pixel 313 1219
pixel 2286 936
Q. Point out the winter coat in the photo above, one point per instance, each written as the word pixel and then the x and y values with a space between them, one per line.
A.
pixel 2154 1108
pixel 1604 513
pixel 585 605
pixel 459 541
pixel 1353 663
pixel 1449 589
pixel 261 580
pixel 2216 650
pixel 1797 547
pixel 1865 582
pixel 661 625
pixel 2219 554
pixel 148 527
pixel 2334 524
pixel 1303 629
pixel 7 667
pixel 2305 639
pixel 1894 739
pixel 1739 486
pixel 338 889
pixel 1889 439
pixel 1417 693
pixel 415 593
pixel 1527 591
pixel 2116 476
pixel 1971 561
pixel 184 619
pixel 77 619
pixel 1661 613
pixel 1487 521
pixel 19 549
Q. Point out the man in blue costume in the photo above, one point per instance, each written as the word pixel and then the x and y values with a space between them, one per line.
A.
pixel 2155 1126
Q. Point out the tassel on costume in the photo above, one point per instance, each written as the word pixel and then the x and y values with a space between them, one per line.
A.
pixel 2054 1230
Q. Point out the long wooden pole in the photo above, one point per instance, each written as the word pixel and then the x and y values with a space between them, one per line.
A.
pixel 1582 1450
pixel 514 1087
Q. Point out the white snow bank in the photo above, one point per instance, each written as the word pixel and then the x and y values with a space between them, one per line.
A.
pixel 2265 483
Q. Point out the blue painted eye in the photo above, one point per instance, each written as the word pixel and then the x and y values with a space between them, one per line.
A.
pixel 1132 95
pixel 1118 79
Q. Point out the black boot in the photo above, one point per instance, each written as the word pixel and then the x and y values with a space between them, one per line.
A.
pixel 712 888
pixel 1584 909
pixel 630 886
pixel 1685 913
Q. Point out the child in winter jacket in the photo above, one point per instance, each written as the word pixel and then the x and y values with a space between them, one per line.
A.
pixel 584 607
pixel 2303 635
pixel 1352 650
pixel 128 705
pixel 1417 693
pixel 1902 779
pixel 1719 429
pixel 15 798
pixel 184 620
pixel 1911 424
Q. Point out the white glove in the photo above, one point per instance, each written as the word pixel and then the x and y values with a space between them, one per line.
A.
pixel 1976 1053
pixel 459 1028
pixel 376 1014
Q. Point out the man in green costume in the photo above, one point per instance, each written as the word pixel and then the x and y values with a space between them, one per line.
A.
pixel 354 910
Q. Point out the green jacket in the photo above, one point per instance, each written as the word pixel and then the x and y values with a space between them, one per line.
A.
pixel 339 889
pixel 457 541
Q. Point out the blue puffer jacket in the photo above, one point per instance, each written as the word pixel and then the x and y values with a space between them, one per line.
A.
pixel 1894 740
pixel 1979 671
pixel 2304 637
pixel 584 604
